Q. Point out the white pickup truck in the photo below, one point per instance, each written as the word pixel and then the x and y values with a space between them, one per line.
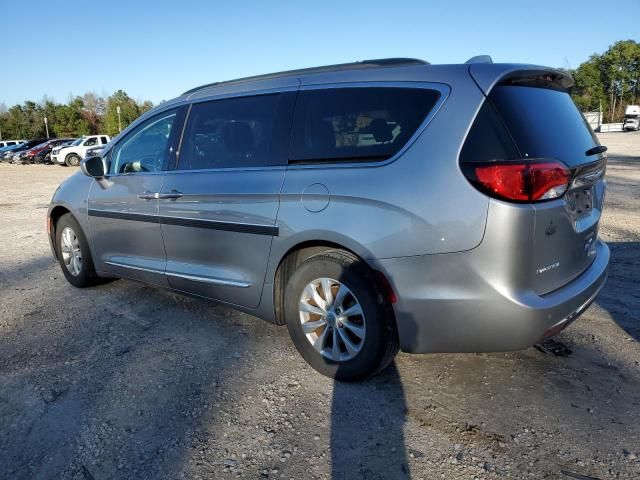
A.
pixel 71 155
pixel 632 118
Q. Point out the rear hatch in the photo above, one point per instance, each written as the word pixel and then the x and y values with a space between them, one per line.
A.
pixel 548 135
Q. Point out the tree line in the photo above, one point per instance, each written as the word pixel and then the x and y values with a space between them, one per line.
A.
pixel 609 81
pixel 82 115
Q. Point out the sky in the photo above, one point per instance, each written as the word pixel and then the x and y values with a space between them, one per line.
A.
pixel 156 50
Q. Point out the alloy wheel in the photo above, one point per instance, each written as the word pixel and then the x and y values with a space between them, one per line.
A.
pixel 71 253
pixel 332 319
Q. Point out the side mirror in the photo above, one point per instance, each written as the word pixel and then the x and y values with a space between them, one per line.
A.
pixel 95 167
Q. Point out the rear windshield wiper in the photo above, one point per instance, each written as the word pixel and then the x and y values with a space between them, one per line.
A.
pixel 595 150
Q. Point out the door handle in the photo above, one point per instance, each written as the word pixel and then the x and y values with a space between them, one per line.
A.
pixel 172 195
pixel 148 196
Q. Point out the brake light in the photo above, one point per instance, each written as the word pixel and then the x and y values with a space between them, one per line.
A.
pixel 528 181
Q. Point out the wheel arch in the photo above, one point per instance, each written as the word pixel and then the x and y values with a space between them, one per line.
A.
pixel 298 253
pixel 54 215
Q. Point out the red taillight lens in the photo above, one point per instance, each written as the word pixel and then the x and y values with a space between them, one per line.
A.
pixel 522 181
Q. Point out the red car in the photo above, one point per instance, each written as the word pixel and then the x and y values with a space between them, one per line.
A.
pixel 41 153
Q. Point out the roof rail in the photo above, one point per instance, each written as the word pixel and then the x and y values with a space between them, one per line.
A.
pixel 479 59
pixel 381 62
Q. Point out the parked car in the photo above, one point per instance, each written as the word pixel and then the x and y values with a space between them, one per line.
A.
pixel 71 155
pixel 19 157
pixel 42 153
pixel 10 153
pixel 4 151
pixel 7 147
pixel 370 207
pixel 9 143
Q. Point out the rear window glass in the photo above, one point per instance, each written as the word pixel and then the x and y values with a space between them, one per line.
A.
pixel 357 123
pixel 544 123
pixel 488 140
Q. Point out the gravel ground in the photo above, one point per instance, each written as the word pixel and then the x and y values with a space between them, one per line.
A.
pixel 126 381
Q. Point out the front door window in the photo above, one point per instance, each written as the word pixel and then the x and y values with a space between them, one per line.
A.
pixel 144 149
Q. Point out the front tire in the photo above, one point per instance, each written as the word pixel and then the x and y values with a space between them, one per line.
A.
pixel 338 318
pixel 72 160
pixel 73 253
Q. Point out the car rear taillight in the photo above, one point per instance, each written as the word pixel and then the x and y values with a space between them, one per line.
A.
pixel 525 181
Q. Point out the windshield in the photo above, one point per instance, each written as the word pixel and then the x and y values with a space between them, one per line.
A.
pixel 77 141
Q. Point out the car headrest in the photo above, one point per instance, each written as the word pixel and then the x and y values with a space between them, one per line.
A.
pixel 381 130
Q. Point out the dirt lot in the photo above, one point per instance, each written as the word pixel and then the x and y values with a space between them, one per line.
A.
pixel 125 381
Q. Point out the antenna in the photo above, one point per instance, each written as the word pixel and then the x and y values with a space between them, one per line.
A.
pixel 479 59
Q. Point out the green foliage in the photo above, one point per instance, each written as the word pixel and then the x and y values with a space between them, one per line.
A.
pixel 89 114
pixel 145 106
pixel 129 111
pixel 69 122
pixel 611 79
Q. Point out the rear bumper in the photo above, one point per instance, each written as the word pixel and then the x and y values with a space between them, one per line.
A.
pixel 445 305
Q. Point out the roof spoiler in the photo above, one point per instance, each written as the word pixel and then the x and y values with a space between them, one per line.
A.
pixel 488 75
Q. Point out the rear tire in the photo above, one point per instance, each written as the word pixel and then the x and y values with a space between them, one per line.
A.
pixel 73 253
pixel 72 160
pixel 367 342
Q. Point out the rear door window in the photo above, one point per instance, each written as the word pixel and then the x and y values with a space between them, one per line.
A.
pixel 357 123
pixel 237 132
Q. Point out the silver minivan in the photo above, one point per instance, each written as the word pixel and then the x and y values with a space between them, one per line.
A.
pixel 371 207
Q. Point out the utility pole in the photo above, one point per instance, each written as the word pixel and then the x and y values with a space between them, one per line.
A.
pixel 46 126
pixel 611 104
pixel 600 117
pixel 622 95
pixel 119 121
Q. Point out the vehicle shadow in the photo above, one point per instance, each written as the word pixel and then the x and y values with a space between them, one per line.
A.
pixel 368 417
pixel 620 296
pixel 367 428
